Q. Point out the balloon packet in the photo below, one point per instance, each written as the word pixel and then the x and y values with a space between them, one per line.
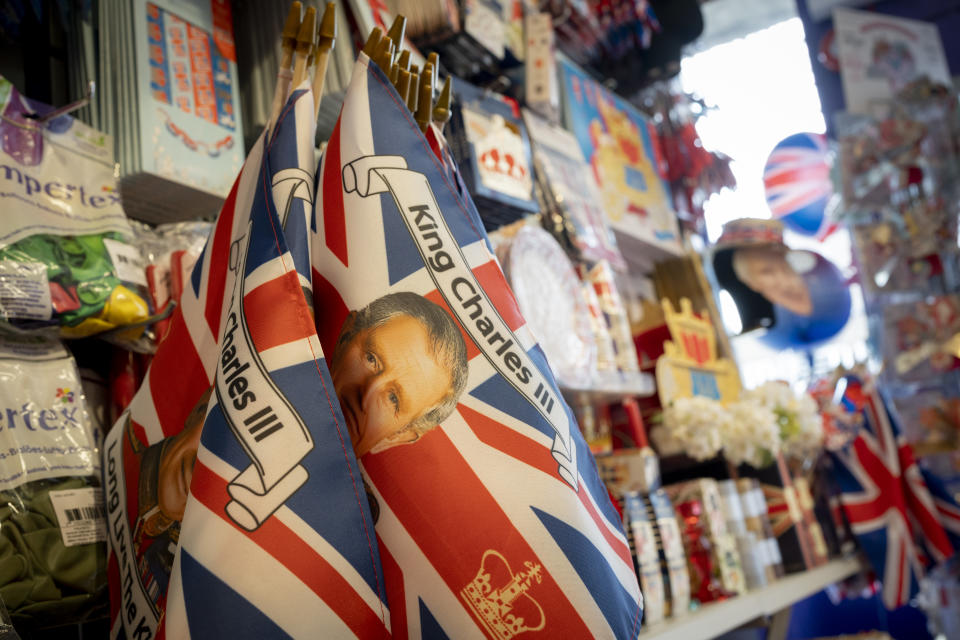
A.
pixel 66 259
pixel 52 519
pixel 169 252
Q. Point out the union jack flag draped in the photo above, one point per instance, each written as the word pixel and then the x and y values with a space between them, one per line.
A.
pixel 901 514
pixel 274 536
pixel 492 520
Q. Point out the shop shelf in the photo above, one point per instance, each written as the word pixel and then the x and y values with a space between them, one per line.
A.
pixel 715 619
pixel 642 250
pixel 637 385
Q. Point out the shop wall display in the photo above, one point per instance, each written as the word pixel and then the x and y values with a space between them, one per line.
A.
pixel 190 125
pixel 620 145
pixel 917 338
pixel 822 46
pixel 880 55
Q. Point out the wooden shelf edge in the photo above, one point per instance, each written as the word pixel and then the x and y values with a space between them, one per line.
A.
pixel 642 385
pixel 712 620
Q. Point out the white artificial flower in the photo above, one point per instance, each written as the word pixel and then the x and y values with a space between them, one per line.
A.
pixel 695 424
pixel 807 439
pixel 752 435
pixel 798 417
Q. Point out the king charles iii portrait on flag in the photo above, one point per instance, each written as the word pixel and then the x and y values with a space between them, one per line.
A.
pixel 398 368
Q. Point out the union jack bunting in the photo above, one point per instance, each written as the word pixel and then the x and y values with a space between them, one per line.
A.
pixel 491 518
pixel 900 523
pixel 235 504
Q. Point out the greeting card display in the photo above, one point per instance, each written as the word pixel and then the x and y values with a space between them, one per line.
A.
pixel 622 148
pixel 881 54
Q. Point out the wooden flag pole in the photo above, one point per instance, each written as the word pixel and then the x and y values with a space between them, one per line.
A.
pixel 305 38
pixel 373 41
pixel 288 42
pixel 404 59
pixel 403 84
pixel 425 99
pixel 397 31
pixel 412 94
pixel 441 112
pixel 326 38
pixel 434 59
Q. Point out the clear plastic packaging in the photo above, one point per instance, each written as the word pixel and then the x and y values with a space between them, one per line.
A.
pixel 52 527
pixel 65 255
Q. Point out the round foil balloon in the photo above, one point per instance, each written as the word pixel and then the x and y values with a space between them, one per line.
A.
pixel 797 183
pixel 826 308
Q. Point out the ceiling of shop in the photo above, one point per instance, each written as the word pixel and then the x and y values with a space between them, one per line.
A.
pixel 726 20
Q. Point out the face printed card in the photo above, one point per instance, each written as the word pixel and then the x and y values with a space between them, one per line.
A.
pixel 490 515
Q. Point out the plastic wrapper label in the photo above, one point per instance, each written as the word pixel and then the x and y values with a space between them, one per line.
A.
pixel 81 515
pixel 44 431
pixel 24 291
pixel 56 180
pixel 127 261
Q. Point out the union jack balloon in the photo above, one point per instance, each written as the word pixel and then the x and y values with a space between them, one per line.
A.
pixel 797 184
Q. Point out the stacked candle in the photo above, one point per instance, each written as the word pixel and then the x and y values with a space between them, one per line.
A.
pixel 756 520
pixel 753 554
pixel 646 556
pixel 673 560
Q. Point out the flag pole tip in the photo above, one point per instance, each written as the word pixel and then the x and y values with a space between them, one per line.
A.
pixel 398 29
pixel 307 32
pixel 292 26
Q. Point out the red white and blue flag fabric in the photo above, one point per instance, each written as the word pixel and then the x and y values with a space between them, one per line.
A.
pixel 902 523
pixel 236 508
pixel 491 519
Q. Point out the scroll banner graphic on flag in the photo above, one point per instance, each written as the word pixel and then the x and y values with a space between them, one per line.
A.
pixel 464 296
pixel 235 501
pixel 491 518
pixel 271 432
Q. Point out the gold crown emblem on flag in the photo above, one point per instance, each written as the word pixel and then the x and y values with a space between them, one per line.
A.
pixel 499 598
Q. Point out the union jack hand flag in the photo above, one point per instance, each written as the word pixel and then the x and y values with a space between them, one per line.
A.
pixel 900 523
pixel 236 507
pixel 491 518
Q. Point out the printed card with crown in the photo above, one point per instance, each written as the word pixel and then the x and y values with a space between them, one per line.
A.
pixel 689 365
